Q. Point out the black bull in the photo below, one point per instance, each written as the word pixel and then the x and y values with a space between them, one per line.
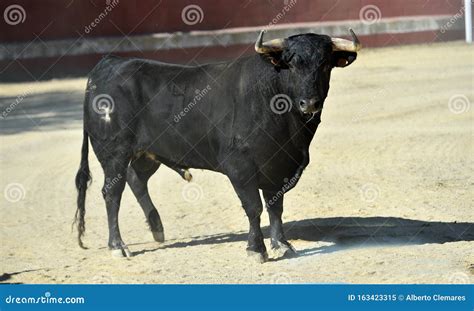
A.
pixel 251 119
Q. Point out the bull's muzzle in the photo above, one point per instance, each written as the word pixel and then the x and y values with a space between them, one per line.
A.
pixel 312 105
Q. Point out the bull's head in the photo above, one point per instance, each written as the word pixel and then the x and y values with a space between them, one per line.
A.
pixel 309 59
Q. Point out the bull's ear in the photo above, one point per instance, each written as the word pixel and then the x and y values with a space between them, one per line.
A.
pixel 343 58
pixel 272 50
pixel 277 60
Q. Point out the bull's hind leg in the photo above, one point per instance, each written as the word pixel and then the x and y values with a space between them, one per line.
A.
pixel 138 173
pixel 115 170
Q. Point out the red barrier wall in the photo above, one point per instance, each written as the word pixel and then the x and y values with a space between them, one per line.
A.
pixel 54 19
pixel 66 19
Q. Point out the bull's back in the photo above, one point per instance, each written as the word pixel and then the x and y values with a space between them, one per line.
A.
pixel 165 109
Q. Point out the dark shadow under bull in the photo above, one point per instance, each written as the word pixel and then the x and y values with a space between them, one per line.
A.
pixel 348 232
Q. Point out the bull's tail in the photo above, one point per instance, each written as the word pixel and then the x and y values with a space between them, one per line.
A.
pixel 82 179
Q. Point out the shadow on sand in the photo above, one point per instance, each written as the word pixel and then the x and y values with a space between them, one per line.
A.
pixel 347 232
pixel 51 110
pixel 6 277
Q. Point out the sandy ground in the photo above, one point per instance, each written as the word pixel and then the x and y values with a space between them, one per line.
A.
pixel 387 197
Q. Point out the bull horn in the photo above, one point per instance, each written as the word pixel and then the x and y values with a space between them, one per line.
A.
pixel 274 45
pixel 347 45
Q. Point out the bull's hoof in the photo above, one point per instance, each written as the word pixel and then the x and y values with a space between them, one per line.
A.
pixel 121 252
pixel 187 176
pixel 258 257
pixel 158 236
pixel 282 249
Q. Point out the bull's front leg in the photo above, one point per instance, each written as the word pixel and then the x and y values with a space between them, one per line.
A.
pixel 274 204
pixel 247 191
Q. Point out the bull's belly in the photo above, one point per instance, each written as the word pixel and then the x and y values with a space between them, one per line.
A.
pixel 180 152
pixel 190 142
